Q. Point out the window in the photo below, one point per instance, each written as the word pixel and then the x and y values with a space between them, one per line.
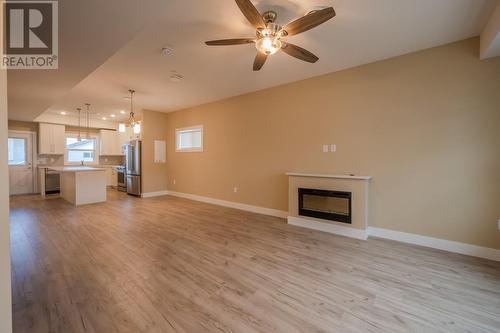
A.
pixel 189 139
pixel 83 150
pixel 17 151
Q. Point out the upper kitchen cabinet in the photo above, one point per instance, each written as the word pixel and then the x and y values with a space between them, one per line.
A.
pixel 125 137
pixel 112 142
pixel 51 139
pixel 109 143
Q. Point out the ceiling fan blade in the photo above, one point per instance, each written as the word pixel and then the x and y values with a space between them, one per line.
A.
pixel 259 61
pixel 234 41
pixel 299 53
pixel 309 21
pixel 251 13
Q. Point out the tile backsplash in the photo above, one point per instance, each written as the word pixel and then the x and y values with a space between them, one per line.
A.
pixel 111 160
pixel 50 160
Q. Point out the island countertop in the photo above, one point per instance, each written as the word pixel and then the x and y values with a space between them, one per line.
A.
pixel 75 169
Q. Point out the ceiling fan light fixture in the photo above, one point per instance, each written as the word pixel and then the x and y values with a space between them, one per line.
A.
pixel 268 45
pixel 269 33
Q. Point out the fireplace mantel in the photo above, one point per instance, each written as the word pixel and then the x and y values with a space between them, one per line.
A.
pixel 294 174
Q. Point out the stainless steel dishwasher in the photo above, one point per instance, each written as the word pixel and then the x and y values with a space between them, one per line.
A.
pixel 52 182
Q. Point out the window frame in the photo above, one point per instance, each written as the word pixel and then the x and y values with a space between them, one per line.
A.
pixel 189 150
pixel 26 158
pixel 93 136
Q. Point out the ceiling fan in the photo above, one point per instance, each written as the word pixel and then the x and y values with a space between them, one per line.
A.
pixel 269 35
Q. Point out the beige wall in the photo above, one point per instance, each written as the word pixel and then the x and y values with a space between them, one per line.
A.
pixel 426 126
pixel 154 127
pixel 5 293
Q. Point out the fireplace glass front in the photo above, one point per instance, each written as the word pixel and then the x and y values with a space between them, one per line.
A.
pixel 325 204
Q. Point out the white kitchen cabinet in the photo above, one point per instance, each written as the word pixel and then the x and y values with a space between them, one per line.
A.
pixel 109 143
pixel 111 176
pixel 124 138
pixel 51 139
pixel 112 142
pixel 114 177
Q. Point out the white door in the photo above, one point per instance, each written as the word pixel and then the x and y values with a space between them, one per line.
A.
pixel 20 149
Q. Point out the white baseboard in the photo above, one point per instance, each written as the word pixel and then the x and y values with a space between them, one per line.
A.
pixel 231 204
pixel 436 243
pixel 154 194
pixel 327 227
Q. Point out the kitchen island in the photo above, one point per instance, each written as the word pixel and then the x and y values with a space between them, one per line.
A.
pixel 82 185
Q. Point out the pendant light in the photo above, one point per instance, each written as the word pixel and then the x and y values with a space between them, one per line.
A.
pixel 79 124
pixel 88 120
pixel 133 123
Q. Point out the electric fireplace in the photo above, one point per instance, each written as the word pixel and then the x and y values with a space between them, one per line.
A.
pixel 326 205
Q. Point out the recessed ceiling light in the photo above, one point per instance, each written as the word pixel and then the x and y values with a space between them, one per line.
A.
pixel 104 118
pixel 167 50
pixel 122 112
pixel 112 116
pixel 63 113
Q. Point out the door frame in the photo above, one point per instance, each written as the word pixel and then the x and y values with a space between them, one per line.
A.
pixel 34 158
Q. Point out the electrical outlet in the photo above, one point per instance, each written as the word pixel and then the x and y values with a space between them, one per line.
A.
pixel 235 190
pixel 326 148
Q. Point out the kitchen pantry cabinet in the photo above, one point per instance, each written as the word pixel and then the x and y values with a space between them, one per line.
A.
pixel 51 139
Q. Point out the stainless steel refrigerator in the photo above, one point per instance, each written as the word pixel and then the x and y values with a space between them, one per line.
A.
pixel 133 152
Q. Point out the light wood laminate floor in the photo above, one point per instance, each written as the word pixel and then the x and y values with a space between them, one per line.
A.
pixel 173 265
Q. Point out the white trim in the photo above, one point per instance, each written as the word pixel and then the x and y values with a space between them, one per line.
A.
pixel 231 204
pixel 154 194
pixel 327 227
pixel 313 175
pixel 436 243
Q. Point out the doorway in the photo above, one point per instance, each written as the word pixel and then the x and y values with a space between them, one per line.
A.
pixel 21 171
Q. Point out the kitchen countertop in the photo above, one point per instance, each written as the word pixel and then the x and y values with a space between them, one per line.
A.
pixel 75 168
pixel 78 166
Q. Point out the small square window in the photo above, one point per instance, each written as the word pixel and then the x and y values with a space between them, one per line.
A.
pixel 189 139
pixel 78 151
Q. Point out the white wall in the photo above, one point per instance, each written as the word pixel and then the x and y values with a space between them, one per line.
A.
pixel 5 293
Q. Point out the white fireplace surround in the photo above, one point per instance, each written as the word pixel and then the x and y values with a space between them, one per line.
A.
pixel 358 186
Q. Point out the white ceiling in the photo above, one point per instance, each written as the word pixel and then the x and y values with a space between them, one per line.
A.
pixel 363 31
pixel 90 32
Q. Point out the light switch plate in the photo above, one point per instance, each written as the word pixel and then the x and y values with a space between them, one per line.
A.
pixel 333 148
pixel 326 148
pixel 235 190
pixel 498 224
